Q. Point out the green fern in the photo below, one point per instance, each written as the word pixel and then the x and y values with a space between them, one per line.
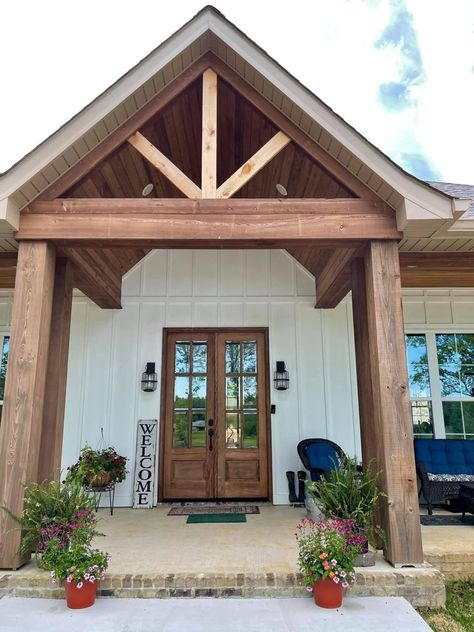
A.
pixel 351 492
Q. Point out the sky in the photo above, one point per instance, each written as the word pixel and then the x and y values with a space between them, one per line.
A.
pixel 400 71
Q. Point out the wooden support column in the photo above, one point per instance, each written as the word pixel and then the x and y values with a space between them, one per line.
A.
pixel 55 391
pixel 20 430
pixel 386 427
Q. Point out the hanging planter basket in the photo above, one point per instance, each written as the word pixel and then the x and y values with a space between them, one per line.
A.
pixel 102 479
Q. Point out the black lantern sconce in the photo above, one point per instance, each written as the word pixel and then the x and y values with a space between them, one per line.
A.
pixel 149 378
pixel 281 377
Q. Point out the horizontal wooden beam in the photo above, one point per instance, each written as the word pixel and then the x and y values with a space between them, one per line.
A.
pixel 176 206
pixel 253 165
pixel 437 269
pixel 8 261
pixel 245 221
pixel 164 165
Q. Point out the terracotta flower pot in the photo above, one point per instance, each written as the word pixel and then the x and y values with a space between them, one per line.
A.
pixel 327 594
pixel 83 597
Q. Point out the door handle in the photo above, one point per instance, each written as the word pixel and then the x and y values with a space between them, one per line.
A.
pixel 210 432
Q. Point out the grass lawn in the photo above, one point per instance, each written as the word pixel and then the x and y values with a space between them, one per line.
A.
pixel 459 613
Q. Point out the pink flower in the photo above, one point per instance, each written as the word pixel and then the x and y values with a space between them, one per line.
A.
pixel 80 585
pixel 86 575
pixel 345 584
pixel 69 579
pixel 309 588
pixel 336 579
pixel 334 562
pixel 342 573
pixel 352 574
pixel 92 579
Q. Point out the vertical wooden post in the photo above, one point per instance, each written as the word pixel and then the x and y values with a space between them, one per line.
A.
pixel 55 392
pixel 20 431
pixel 209 134
pixel 386 427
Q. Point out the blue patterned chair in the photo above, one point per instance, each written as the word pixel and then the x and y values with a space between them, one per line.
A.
pixel 319 456
pixel 442 466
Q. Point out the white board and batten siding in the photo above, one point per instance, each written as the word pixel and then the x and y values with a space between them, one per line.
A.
pixel 204 288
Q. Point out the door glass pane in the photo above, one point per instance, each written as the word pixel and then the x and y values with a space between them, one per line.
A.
pixel 232 393
pixel 250 430
pixel 232 357
pixel 232 435
pixel 250 392
pixel 180 430
pixel 181 364
pixel 250 357
pixel 199 357
pixel 181 392
pixel 198 430
pixel 199 392
pixel 452 417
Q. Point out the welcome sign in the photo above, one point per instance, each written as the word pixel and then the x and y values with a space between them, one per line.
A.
pixel 144 482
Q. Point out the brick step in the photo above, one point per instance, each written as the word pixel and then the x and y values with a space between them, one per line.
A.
pixel 420 586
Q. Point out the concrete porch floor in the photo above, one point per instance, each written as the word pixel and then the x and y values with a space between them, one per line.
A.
pixel 156 555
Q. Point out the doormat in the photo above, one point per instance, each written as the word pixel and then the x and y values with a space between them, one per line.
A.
pixel 440 520
pixel 191 510
pixel 216 517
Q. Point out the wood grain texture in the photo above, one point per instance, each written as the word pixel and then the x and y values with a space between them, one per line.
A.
pixel 49 466
pixel 171 206
pixel 164 166
pixel 390 435
pixel 306 143
pixel 209 135
pixel 8 262
pixel 333 278
pixel 255 164
pixel 121 134
pixel 96 276
pixel 20 430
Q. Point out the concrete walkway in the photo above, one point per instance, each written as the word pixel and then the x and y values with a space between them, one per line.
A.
pixel 371 614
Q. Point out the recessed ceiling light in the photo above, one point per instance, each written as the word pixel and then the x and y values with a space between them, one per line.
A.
pixel 147 189
pixel 281 190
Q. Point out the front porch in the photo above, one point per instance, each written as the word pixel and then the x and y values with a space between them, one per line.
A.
pixel 161 556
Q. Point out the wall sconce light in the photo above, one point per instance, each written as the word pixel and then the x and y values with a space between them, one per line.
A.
pixel 281 377
pixel 149 378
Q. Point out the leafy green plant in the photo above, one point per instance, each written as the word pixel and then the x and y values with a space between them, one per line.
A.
pixel 77 563
pixel 54 510
pixel 352 492
pixel 92 463
pixel 327 550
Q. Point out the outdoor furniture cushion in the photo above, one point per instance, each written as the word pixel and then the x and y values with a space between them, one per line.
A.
pixel 442 466
pixel 445 456
pixel 319 456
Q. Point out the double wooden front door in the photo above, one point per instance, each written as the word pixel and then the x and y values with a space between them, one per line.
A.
pixel 214 436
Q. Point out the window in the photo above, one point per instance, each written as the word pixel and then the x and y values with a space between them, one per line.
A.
pixel 419 385
pixel 5 343
pixel 455 355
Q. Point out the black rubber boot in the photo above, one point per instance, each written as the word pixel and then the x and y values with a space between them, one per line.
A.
pixel 293 498
pixel 301 486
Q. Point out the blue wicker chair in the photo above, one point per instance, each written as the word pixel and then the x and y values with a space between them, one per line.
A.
pixel 319 456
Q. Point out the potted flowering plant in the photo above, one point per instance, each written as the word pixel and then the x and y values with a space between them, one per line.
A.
pixel 98 468
pixel 80 567
pixel 327 551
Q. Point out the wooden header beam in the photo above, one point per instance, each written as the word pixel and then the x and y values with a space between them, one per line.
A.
pixel 148 222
